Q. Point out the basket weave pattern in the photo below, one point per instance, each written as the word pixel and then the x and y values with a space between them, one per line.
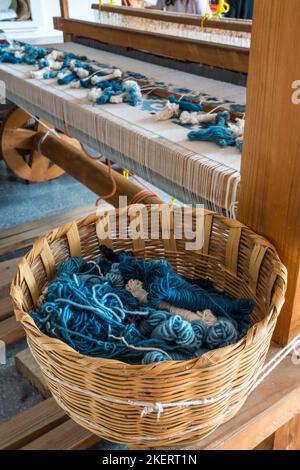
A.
pixel 111 398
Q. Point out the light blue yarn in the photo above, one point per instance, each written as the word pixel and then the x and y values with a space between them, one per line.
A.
pixel 176 331
pixel 132 94
pixel 114 277
pixel 200 330
pixel 154 356
pixel 221 334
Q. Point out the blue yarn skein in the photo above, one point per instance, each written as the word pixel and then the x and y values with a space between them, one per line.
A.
pixel 186 105
pixel 10 58
pixel 200 330
pixel 114 277
pixel 221 334
pixel 132 93
pixel 67 79
pixel 105 97
pixel 218 133
pixel 177 331
pixel 154 356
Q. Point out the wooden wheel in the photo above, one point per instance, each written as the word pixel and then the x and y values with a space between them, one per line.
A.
pixel 17 138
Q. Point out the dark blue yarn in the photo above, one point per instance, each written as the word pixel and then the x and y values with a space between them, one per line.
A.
pixel 67 79
pixel 218 133
pixel 111 85
pixel 111 255
pixel 186 105
pixel 86 83
pixel 8 57
pixel 105 97
pixel 204 282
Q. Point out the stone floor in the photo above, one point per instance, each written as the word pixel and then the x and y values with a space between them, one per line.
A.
pixel 21 202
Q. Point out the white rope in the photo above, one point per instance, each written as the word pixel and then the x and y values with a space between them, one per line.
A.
pixel 149 407
pixel 45 137
pixel 138 348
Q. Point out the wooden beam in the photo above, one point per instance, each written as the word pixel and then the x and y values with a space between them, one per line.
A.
pixel 7 272
pixel 288 436
pixel 11 331
pixel 270 172
pixel 219 55
pixel 67 436
pixel 228 24
pixel 64 11
pixel 92 174
pixel 6 308
pixel 30 424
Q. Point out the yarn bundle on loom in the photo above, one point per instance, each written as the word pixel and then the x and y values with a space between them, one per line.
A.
pixel 215 127
pixel 138 311
pixel 115 87
pixel 69 69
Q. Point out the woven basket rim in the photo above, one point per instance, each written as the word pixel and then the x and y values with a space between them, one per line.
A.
pixel 52 235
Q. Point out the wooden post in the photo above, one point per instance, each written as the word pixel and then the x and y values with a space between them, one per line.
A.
pixel 288 437
pixel 270 173
pixel 64 10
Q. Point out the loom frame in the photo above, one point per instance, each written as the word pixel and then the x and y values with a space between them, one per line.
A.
pixel 262 170
pixel 223 56
pixel 266 55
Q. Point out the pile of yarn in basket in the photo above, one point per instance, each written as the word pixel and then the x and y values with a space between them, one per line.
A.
pixel 138 311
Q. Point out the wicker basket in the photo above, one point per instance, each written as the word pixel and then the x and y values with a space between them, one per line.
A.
pixel 121 402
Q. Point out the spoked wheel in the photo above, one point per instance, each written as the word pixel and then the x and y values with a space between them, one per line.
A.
pixel 17 148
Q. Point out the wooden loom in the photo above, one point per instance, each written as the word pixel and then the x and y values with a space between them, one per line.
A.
pixel 216 58
pixel 270 157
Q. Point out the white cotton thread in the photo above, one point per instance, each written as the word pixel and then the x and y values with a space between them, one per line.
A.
pixel 38 74
pixel 81 72
pixel 117 99
pixel 94 94
pixel 237 127
pixel 171 110
pixel 138 348
pixel 75 85
pixel 117 73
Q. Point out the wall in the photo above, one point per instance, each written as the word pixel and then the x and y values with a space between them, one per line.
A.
pixel 41 29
